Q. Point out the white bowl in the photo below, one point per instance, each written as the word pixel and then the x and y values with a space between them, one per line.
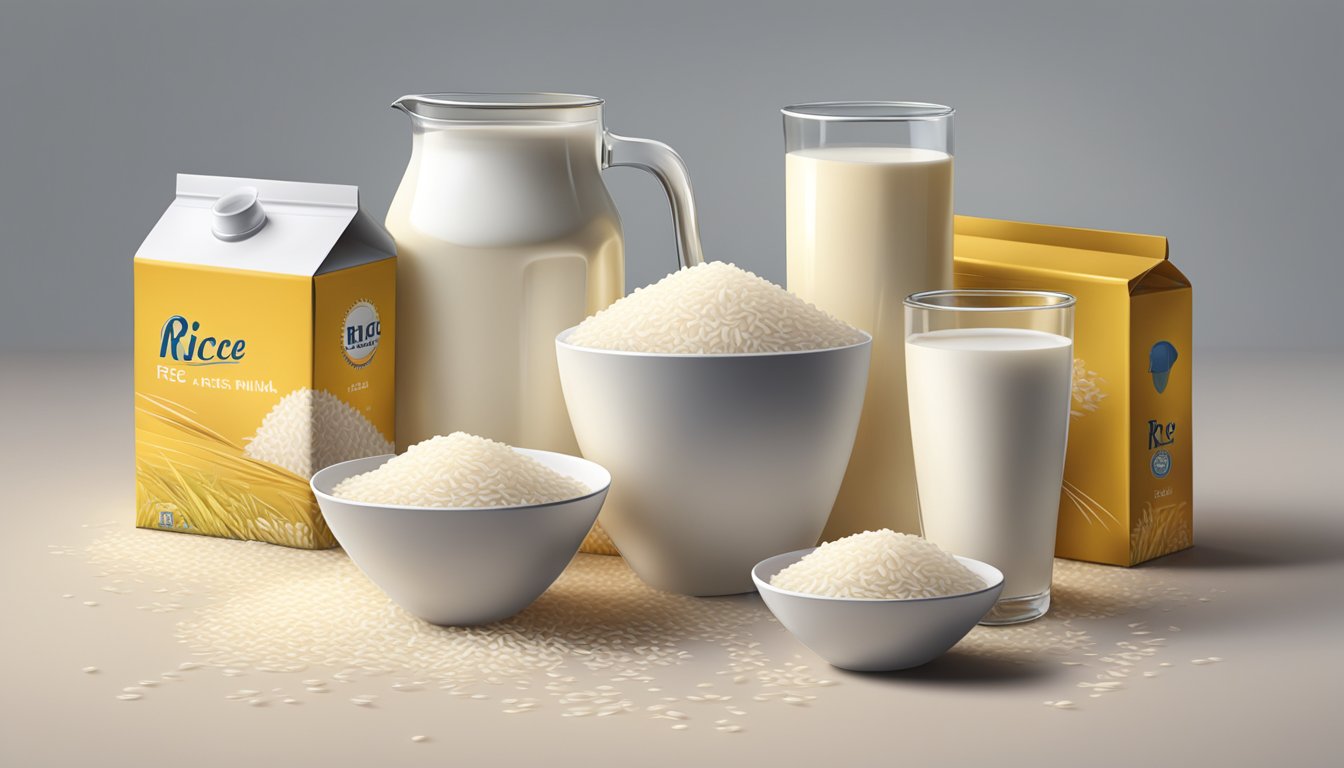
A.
pixel 463 566
pixel 877 635
pixel 718 460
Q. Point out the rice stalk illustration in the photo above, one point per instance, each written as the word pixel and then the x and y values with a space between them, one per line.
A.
pixel 211 488
pixel 1091 510
pixel 1160 530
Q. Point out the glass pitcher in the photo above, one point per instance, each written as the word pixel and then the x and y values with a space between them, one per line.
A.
pixel 506 236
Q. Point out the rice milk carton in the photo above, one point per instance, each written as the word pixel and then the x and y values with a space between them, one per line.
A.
pixel 1127 494
pixel 264 350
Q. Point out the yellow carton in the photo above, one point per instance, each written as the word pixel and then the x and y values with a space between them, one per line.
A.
pixel 264 329
pixel 1127 493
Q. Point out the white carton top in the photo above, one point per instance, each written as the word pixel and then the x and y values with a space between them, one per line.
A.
pixel 281 227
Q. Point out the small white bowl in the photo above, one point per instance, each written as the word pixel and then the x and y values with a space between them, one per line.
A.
pixel 719 460
pixel 877 635
pixel 463 566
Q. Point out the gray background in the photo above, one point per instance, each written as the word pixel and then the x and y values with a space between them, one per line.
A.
pixel 1214 123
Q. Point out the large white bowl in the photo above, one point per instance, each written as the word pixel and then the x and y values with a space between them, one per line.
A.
pixel 877 635
pixel 463 566
pixel 718 460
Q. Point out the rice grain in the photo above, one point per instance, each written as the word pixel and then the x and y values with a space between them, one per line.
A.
pixel 878 565
pixel 458 471
pixel 709 309
pixel 309 429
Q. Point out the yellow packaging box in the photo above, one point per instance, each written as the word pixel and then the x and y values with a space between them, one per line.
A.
pixel 264 351
pixel 1128 493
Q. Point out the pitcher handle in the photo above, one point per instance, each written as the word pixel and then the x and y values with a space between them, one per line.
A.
pixel 664 162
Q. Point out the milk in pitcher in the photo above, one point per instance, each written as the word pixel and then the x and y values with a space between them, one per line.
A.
pixel 507 237
pixel 485 311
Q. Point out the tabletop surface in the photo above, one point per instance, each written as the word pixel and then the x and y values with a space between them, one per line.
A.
pixel 129 647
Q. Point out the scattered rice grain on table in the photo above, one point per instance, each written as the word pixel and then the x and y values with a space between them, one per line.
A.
pixel 256 608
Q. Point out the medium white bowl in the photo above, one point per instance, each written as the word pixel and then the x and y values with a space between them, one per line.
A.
pixel 877 635
pixel 718 460
pixel 463 566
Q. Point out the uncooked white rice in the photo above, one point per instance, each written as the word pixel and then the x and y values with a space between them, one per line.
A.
pixel 878 565
pixel 592 646
pixel 272 610
pixel 1087 389
pixel 711 309
pixel 460 470
pixel 311 429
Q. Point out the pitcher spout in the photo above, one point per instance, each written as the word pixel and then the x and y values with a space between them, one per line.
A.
pixel 406 104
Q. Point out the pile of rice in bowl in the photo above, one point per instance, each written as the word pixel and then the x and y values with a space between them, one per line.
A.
pixel 713 308
pixel 460 471
pixel 878 565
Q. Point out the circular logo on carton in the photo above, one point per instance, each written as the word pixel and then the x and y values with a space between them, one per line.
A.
pixel 1161 464
pixel 360 334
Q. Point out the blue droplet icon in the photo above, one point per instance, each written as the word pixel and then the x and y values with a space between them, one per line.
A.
pixel 1160 359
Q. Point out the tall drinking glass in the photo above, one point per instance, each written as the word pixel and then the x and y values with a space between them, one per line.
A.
pixel 989 375
pixel 868 190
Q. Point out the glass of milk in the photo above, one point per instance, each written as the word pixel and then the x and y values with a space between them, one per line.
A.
pixel 868 200
pixel 989 375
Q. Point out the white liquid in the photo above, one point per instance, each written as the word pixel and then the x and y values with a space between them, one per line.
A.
pixel 868 226
pixel 989 414
pixel 505 237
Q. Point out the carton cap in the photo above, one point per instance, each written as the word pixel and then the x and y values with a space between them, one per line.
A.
pixel 262 225
pixel 238 215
